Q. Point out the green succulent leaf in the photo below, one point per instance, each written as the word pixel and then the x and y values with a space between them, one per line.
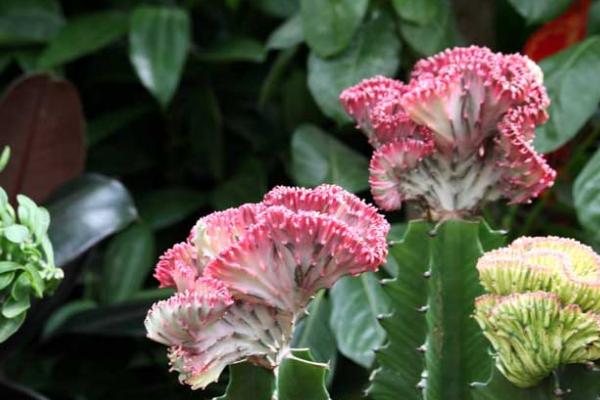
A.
pixel 300 378
pixel 16 233
pixel 8 326
pixel 249 381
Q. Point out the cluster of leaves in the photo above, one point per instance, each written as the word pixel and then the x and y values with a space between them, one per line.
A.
pixel 201 105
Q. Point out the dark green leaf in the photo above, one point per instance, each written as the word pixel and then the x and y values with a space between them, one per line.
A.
pixel 237 49
pixel 313 331
pixel 435 36
pixel 357 303
pixel 164 207
pixel 289 34
pixel 247 381
pixel 586 194
pixel 537 11
pixel 58 317
pixel 299 378
pixel 128 260
pixel 329 25
pixel 83 35
pixel 318 158
pixel 593 23
pixel 107 124
pixel 571 79
pixel 420 12
pixel 246 186
pixel 272 82
pixel 6 279
pixel 84 212
pixel 277 8
pixel 374 51
pixel 159 40
pixel 29 21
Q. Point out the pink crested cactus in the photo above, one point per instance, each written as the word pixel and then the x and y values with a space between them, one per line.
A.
pixel 457 135
pixel 245 275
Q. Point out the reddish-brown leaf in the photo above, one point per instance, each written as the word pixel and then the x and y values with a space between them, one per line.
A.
pixel 41 119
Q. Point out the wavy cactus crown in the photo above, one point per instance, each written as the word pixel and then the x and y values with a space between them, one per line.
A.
pixel 457 135
pixel 542 310
pixel 246 274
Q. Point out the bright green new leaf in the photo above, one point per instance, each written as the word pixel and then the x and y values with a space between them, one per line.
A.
pixel 375 50
pixel 329 25
pixel 571 78
pixel 318 157
pixel 82 36
pixel 357 303
pixel 128 260
pixel 29 21
pixel 16 233
pixel 159 40
pixel 538 11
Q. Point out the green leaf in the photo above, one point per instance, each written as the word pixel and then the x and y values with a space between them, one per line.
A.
pixel 247 381
pixel 586 195
pixel 110 123
pixel 29 21
pixel 435 36
pixel 248 185
pixel 35 280
pixel 571 79
pixel 277 8
pixel 375 50
pixel 499 388
pixel 357 303
pixel 289 34
pixel 420 12
pixel 299 378
pixel 84 212
pixel 432 300
pixel 5 156
pixel 16 233
pixel 236 49
pixel 61 315
pixel 165 207
pixel 83 35
pixel 159 40
pixel 128 260
pixel 593 23
pixel 18 302
pixel 329 25
pixel 9 266
pixel 6 279
pixel 8 326
pixel 313 331
pixel 320 158
pixel 538 11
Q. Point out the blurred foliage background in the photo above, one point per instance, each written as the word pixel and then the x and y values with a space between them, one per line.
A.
pixel 131 119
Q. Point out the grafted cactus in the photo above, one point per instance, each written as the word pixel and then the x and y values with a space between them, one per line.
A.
pixel 245 276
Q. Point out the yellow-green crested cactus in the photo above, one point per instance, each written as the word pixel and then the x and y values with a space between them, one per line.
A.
pixel 542 310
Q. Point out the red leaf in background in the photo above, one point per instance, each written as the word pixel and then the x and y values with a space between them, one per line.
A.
pixel 560 33
pixel 41 119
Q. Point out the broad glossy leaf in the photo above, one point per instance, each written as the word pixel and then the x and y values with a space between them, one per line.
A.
pixel 164 207
pixel 247 381
pixel 277 8
pixel 83 35
pixel 29 21
pixel 232 50
pixel 288 34
pixel 586 195
pixel 300 378
pixel 420 12
pixel 375 50
pixel 42 122
pixel 313 331
pixel 159 40
pixel 435 36
pixel 318 157
pixel 329 25
pixel 537 11
pixel 571 79
pixel 357 303
pixel 84 212
pixel 128 260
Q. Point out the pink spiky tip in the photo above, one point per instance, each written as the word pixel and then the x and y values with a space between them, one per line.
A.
pixel 479 109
